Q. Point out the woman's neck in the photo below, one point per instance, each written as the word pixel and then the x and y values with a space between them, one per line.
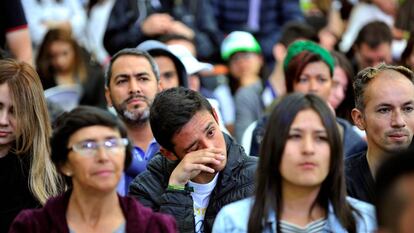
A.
pixel 93 212
pixel 4 150
pixel 65 78
pixel 298 205
pixel 248 80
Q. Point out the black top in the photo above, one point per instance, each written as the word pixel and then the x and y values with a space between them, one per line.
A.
pixel 15 194
pixel 359 180
pixel 11 18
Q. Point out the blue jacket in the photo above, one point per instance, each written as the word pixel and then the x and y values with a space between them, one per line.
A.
pixel 234 218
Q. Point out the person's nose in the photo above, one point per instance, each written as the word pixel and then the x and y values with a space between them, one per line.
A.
pixel 4 117
pixel 134 86
pixel 313 86
pixel 102 153
pixel 397 119
pixel 308 145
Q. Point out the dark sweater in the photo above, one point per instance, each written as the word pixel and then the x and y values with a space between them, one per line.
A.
pixel 15 194
pixel 359 180
pixel 52 218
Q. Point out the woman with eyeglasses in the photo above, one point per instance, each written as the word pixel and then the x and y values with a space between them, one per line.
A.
pixel 300 184
pixel 90 148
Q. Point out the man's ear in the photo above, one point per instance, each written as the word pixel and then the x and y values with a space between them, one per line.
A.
pixel 358 118
pixel 108 97
pixel 168 154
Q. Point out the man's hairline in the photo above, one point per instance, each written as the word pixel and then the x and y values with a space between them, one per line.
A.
pixel 108 84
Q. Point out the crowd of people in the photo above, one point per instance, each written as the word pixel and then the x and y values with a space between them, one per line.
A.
pixel 207 116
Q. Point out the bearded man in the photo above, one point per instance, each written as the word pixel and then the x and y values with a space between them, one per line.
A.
pixel 132 81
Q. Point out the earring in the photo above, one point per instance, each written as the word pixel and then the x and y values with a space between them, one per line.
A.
pixel 68 174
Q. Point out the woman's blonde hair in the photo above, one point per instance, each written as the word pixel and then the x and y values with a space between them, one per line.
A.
pixel 33 128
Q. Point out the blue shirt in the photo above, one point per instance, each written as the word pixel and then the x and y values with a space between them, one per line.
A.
pixel 235 217
pixel 139 162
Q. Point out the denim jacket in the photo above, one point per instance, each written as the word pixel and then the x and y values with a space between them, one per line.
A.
pixel 235 217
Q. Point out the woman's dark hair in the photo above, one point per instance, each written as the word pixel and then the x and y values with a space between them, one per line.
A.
pixel 268 196
pixel 345 107
pixel 407 53
pixel 44 61
pixel 297 65
pixel 83 116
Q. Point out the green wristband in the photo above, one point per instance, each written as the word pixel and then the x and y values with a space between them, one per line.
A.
pixel 179 188
pixel 176 187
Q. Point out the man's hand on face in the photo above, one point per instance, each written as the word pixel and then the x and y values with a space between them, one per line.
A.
pixel 194 163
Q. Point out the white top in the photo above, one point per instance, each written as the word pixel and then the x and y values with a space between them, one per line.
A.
pixel 39 12
pixel 201 197
pixel 95 29
pixel 361 15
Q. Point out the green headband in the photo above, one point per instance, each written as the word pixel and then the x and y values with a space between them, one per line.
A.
pixel 304 45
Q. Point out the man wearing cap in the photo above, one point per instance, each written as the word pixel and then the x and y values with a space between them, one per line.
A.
pixel 199 170
pixel 243 53
pixel 384 104
pixel 132 81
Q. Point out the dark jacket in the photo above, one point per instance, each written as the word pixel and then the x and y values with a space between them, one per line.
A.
pixel 232 15
pixel 359 180
pixel 124 24
pixel 52 218
pixel 15 194
pixel 235 182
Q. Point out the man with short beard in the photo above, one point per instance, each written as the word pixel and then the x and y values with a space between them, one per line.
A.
pixel 384 108
pixel 132 81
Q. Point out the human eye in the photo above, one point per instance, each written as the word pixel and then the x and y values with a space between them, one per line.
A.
pixel 87 145
pixel 143 78
pixel 321 138
pixel 86 148
pixel 383 110
pixel 211 132
pixel 294 136
pixel 303 79
pixel 408 109
pixel 168 75
pixel 322 79
pixel 120 81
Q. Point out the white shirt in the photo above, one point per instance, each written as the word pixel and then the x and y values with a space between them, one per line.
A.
pixel 201 197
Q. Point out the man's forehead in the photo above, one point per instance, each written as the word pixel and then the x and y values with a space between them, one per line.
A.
pixel 129 64
pixel 389 86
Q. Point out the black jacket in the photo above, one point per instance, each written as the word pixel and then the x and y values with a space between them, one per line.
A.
pixel 235 182
pixel 124 24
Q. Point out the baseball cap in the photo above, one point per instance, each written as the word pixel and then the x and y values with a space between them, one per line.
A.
pixel 239 41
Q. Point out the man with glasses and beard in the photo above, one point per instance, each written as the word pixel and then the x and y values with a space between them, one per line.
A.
pixel 132 81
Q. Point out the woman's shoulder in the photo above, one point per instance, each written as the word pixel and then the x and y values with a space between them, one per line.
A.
pixel 143 219
pixel 30 220
pixel 234 216
pixel 365 216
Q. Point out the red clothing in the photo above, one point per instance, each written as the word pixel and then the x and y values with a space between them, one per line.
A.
pixel 52 218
